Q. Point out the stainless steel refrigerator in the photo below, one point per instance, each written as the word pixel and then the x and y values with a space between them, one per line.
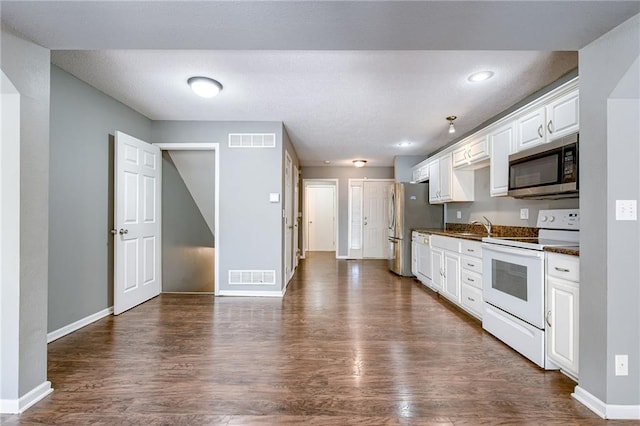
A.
pixel 409 209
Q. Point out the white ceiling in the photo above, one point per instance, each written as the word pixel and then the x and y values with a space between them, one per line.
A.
pixel 348 79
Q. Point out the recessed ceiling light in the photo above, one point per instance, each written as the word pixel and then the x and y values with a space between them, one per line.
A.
pixel 204 86
pixel 403 144
pixel 359 163
pixel 480 76
pixel 327 162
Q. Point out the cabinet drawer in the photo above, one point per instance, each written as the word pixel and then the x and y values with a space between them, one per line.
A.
pixel 472 248
pixel 472 279
pixel 446 243
pixel 472 299
pixel 563 266
pixel 472 264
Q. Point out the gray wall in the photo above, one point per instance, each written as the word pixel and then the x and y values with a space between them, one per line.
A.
pixel 81 196
pixel 250 234
pixel 343 174
pixel 187 241
pixel 402 165
pixel 27 66
pixel 501 210
pixel 609 251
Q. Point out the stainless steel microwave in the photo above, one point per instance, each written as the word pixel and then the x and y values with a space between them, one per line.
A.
pixel 548 171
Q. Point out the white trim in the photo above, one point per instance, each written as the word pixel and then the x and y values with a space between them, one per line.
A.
pixel 20 405
pixel 250 293
pixel 336 209
pixel 77 325
pixel 606 411
pixel 196 293
pixel 216 197
pixel 344 257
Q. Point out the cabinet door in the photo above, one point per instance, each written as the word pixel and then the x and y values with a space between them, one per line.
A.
pixel 452 276
pixel 446 170
pixel 437 263
pixel 530 130
pixel 414 258
pixel 563 116
pixel 434 181
pixel 562 324
pixel 479 149
pixel 424 261
pixel 461 156
pixel 500 144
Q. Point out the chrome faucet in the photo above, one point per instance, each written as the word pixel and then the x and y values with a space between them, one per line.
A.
pixel 487 225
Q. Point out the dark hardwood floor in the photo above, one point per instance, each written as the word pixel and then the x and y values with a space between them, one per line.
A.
pixel 350 343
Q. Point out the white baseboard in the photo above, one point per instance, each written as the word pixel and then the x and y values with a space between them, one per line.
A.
pixel 67 329
pixel 343 257
pixel 249 293
pixel 16 406
pixel 606 411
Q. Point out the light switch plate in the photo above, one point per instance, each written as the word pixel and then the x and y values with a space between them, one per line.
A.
pixel 274 197
pixel 524 213
pixel 622 365
pixel 459 214
pixel 626 209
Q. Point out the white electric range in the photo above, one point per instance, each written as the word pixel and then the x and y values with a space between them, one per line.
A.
pixel 514 283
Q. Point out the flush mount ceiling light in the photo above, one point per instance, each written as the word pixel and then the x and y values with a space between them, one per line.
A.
pixel 359 163
pixel 404 144
pixel 480 76
pixel 327 162
pixel 204 86
pixel 450 119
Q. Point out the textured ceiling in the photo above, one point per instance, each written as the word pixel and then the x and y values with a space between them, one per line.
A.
pixel 348 79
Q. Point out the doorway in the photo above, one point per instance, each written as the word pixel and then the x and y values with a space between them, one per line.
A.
pixel 369 218
pixel 320 215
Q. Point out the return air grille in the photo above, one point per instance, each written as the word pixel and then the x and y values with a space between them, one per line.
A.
pixel 252 277
pixel 252 140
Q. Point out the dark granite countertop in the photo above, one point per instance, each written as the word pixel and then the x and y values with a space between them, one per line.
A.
pixel 571 251
pixel 477 232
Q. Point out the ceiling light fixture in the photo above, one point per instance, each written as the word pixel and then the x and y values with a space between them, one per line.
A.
pixel 327 162
pixel 359 163
pixel 204 86
pixel 450 119
pixel 404 144
pixel 480 76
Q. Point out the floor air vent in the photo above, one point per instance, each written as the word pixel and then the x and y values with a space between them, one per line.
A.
pixel 252 140
pixel 252 277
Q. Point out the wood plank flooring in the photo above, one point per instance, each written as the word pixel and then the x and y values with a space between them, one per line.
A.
pixel 350 343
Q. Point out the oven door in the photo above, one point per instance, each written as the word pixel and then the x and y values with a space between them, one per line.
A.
pixel 513 280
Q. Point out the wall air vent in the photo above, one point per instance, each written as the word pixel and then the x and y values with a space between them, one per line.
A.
pixel 252 140
pixel 252 277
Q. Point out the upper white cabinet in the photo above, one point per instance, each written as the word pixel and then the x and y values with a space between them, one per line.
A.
pixel 501 141
pixel 421 173
pixel 472 154
pixel 563 116
pixel 447 184
pixel 548 121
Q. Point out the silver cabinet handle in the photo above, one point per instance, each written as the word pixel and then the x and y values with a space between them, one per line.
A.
pixel 471 280
pixel 471 299
pixel 123 231
pixel 365 223
pixel 540 131
pixel 561 269
pixel 547 318
pixel 471 265
pixel 550 126
pixel 471 250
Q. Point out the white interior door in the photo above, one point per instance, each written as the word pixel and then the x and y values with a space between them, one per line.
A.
pixel 375 219
pixel 296 209
pixel 288 216
pixel 321 218
pixel 138 179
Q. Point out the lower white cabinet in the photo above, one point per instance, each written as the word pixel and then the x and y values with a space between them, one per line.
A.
pixel 452 276
pixel 437 263
pixel 424 262
pixel 562 313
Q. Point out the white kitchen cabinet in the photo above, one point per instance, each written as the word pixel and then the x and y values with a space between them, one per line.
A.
pixel 421 173
pixel 424 263
pixel 437 263
pixel 530 129
pixel 471 277
pixel 563 116
pixel 501 140
pixel 452 276
pixel 562 312
pixel 472 154
pixel 447 184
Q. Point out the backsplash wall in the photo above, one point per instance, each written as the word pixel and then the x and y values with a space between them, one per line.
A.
pixel 501 210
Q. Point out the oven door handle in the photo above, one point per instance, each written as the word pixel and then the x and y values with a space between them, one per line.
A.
pixel 512 250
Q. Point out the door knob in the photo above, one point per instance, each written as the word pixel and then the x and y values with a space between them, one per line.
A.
pixel 123 231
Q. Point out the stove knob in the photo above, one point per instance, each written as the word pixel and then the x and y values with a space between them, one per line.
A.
pixel 543 219
pixel 551 218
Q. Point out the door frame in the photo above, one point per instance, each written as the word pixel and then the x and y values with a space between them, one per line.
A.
pixel 306 183
pixel 350 215
pixel 288 199
pixel 216 196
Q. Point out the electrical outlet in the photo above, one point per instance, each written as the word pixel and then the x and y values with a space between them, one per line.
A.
pixel 622 365
pixel 524 213
pixel 459 214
